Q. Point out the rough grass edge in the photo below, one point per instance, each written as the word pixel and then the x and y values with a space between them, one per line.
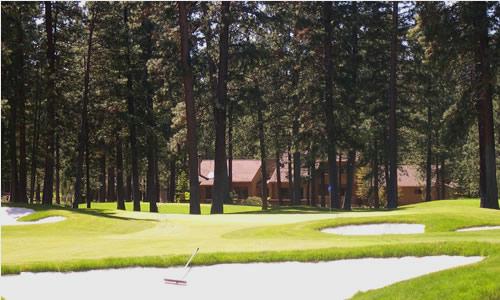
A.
pixel 310 255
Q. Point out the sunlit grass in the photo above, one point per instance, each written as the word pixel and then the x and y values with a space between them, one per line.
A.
pixel 103 237
pixel 173 208
pixel 477 281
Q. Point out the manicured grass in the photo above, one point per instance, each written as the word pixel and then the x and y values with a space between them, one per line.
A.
pixel 174 208
pixel 477 281
pixel 106 238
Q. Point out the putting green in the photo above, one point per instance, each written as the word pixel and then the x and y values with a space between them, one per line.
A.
pixel 103 238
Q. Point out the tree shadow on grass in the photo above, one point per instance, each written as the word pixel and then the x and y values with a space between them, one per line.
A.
pixel 105 213
pixel 315 210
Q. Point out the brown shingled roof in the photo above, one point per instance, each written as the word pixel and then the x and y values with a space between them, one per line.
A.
pixel 244 170
pixel 409 176
pixel 284 173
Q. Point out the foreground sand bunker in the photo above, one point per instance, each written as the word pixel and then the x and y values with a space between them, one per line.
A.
pixel 9 216
pixel 479 228
pixel 289 280
pixel 376 229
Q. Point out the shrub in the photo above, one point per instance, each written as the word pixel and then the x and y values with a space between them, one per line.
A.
pixel 254 201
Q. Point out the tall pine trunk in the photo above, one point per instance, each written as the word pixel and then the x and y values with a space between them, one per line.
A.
pixel 38 191
pixel 386 162
pixel 322 186
pixel 172 179
pixel 442 196
pixel 375 172
pixel 296 196
pixel 134 155
pixel 157 180
pixel 308 186
pixel 34 145
pixel 329 108
pixel 13 151
pixel 260 121
pixel 111 193
pixel 313 183
pixel 120 203
pixel 102 176
pixel 428 162
pixel 21 122
pixel 296 178
pixel 83 135
pixel 230 148
pixel 56 101
pixel 192 140
pixel 58 171
pixel 351 154
pixel 151 184
pixel 221 192
pixel 351 163
pixel 48 182
pixel 290 175
pixel 278 178
pixel 296 173
pixel 340 173
pixel 128 172
pixel 483 94
pixel 151 140
pixel 88 192
pixel 438 178
pixel 392 199
pixel 212 80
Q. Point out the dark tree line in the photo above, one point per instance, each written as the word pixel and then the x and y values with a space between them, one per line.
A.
pixel 108 101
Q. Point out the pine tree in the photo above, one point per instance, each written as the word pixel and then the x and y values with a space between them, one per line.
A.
pixel 194 204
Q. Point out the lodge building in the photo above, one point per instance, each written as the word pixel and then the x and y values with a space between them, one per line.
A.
pixel 247 181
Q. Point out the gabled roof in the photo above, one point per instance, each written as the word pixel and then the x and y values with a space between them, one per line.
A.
pixel 284 173
pixel 409 176
pixel 244 170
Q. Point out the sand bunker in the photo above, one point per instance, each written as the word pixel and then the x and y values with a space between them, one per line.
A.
pixel 289 280
pixel 376 229
pixel 9 216
pixel 478 228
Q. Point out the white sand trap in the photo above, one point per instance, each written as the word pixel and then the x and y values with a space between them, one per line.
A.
pixel 290 280
pixel 9 216
pixel 478 228
pixel 376 229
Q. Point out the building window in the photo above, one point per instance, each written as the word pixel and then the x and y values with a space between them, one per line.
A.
pixel 418 191
pixel 208 191
pixel 241 192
